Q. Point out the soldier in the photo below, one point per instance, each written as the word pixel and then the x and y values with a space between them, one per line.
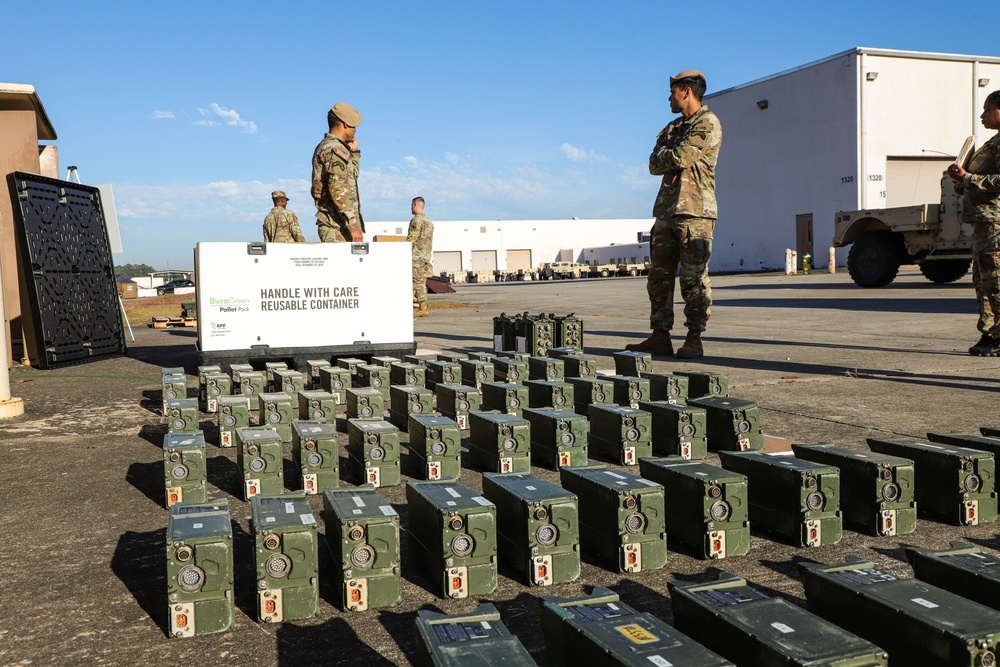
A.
pixel 281 225
pixel 685 154
pixel 335 167
pixel 979 181
pixel 421 235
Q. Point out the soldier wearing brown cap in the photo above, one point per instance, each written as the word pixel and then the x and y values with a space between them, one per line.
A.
pixel 685 154
pixel 281 225
pixel 335 167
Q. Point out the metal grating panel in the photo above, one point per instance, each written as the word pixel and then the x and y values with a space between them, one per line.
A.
pixel 67 272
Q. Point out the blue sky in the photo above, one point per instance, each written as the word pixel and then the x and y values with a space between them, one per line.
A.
pixel 196 111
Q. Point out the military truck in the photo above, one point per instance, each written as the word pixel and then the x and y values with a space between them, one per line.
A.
pixel 567 270
pixel 931 236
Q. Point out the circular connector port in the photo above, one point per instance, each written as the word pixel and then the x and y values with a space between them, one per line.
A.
pixel 355 533
pixel 363 556
pixel 714 491
pixel 456 523
pixel 629 502
pixel 437 449
pixel 278 565
pixel 184 553
pixel 271 541
pixel 257 465
pixel 540 514
pixel 179 472
pixel 632 435
pixel 376 454
pixel 744 426
pixel 509 445
pixel 463 545
pixel 635 523
pixel 253 450
pixel 890 492
pixel 972 483
pixel 567 438
pixel 720 511
pixel 546 534
pixel 309 445
pixel 814 501
pixel 191 577
pixel 314 460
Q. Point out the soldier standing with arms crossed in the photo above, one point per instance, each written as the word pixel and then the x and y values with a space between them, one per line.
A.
pixel 685 154
pixel 281 225
pixel 335 167
pixel 421 235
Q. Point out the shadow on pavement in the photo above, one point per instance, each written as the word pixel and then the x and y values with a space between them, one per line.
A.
pixel 139 561
pixel 331 643
pixel 148 478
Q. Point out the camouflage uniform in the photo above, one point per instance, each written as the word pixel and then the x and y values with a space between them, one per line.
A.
pixel 282 226
pixel 421 235
pixel 685 154
pixel 981 208
pixel 335 171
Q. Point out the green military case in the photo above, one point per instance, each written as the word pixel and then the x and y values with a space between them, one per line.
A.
pixel 189 309
pixel 962 569
pixel 217 385
pixel 234 413
pixel 601 631
pixel 620 433
pixel 290 382
pixel 316 453
pixel 365 403
pixel 312 371
pixel 917 623
pixel 500 442
pixel 200 571
pixel 563 352
pixel 503 332
pixel 351 364
pixel 569 331
pixel 546 368
pixel 173 385
pixel 509 397
pixel 318 406
pixel 373 451
pixel 953 484
pixel 508 369
pixel 482 356
pixel 406 400
pixel 513 354
pixel 990 431
pixel 452 535
pixel 550 394
pixel 535 334
pixel 475 639
pixel 457 401
pixel 629 390
pixel 797 499
pixel 969 440
pixel 251 384
pixel 678 430
pixel 236 370
pixel 707 508
pixel 667 387
pixel 453 357
pixel 203 373
pixel 705 383
pixel 385 361
pixel 407 374
pixel 287 557
pixel 622 516
pixel 259 455
pixel 558 437
pixel 374 377
pixel 876 490
pixel 578 366
pixel 276 411
pixel 591 391
pixel 182 415
pixel 750 628
pixel 436 443
pixel 269 368
pixel 475 372
pixel 419 359
pixel 185 477
pixel 442 372
pixel 733 424
pixel 635 364
pixel 336 381
pixel 362 531
pixel 538 527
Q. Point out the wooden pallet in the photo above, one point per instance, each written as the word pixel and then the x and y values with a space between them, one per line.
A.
pixel 164 322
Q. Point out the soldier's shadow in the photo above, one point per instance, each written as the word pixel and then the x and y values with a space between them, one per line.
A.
pixel 334 642
pixel 138 562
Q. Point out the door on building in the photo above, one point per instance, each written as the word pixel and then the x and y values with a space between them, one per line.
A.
pixel 519 260
pixel 804 236
pixel 913 181
pixel 447 261
pixel 484 260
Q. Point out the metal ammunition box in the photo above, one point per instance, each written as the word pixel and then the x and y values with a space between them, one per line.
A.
pixel 678 430
pixel 351 364
pixel 591 391
pixel 259 456
pixel 312 371
pixel 442 372
pixel 290 382
pixel 453 537
pixel 217 385
pixel 621 434
pixel 287 557
pixel 362 530
pixel 436 444
pixel 621 516
pixel 797 499
pixel 406 400
pixel 173 386
pixel 476 372
pixel 733 425
pixel 538 527
pixel 473 639
pixel 969 440
pixel 316 453
pixel 569 332
pixel 251 384
pixel 601 631
pixel 876 490
pixel 629 389
pixel 269 368
pixel 563 352
pixel 184 469
pixel 513 354
pixel 751 628
pixel 373 451
pixel 406 374
pixel 203 373
pixel 705 383
pixel 385 361
pixel 558 437
pixel 182 415
pixel 317 406
pixel 365 403
pixel 546 368
pixel 374 377
pixel 419 359
pixel 667 387
pixel 963 569
pixel 506 397
pixel 707 508
pixel 500 442
pixel 917 623
pixel 337 381
pixel 200 570
pixel 635 364
pixel 535 334
pixel 578 366
pixel 550 394
pixel 236 370
pixel 507 369
pixel 457 401
pixel 952 484
pixel 234 413
pixel 276 411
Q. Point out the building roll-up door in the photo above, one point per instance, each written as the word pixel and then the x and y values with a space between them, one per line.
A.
pixel 518 260
pixel 447 261
pixel 484 260
pixel 913 181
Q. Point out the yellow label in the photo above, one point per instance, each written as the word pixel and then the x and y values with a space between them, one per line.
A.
pixel 637 634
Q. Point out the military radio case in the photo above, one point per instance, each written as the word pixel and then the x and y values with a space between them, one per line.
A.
pixel 963 569
pixel 474 639
pixel 667 387
pixel 373 451
pixel 276 411
pixel 184 468
pixel 546 368
pixel 635 364
pixel 217 385
pixel 550 394
pixel 705 383
pixel 260 457
pixel 733 425
pixel 436 444
pixel 406 400
pixel 442 372
pixel 234 413
pixel 678 430
pixel 558 437
pixel 506 397
pixel 629 389
pixel 203 394
pixel 475 372
pixel 500 442
pixel 456 401
pixel 578 366
pixel 337 381
pixel 591 391
pixel 182 415
pixel 407 374
pixel 317 406
pixel 287 557
pixel 365 403
pixel 509 369
pixel 622 434
pixel 316 454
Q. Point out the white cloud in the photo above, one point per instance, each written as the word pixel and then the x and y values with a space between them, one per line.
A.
pixel 451 158
pixel 576 154
pixel 156 115
pixel 226 116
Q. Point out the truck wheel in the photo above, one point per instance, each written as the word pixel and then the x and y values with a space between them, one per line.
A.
pixel 633 273
pixel 873 260
pixel 604 273
pixel 943 271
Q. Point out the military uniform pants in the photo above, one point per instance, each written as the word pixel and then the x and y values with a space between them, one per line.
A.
pixel 986 275
pixel 687 242
pixel 329 234
pixel 421 270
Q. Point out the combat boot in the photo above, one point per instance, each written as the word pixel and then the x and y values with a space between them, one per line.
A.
pixel 983 340
pixel 692 348
pixel 657 343
pixel 422 310
pixel 988 347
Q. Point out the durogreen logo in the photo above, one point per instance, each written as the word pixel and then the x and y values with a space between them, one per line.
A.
pixel 230 301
